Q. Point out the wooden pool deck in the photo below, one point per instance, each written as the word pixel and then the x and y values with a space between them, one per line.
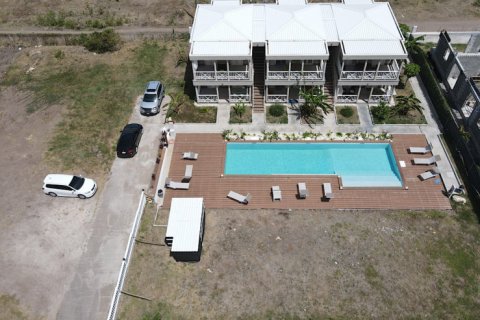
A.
pixel 208 181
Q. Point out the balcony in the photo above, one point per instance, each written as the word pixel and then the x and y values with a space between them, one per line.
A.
pixel 272 98
pixel 207 98
pixel 347 98
pixel 239 97
pixel 313 72
pixel 360 72
pixel 221 72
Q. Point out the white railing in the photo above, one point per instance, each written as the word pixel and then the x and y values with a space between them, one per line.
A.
pixel 221 75
pixel 239 97
pixel 126 258
pixel 207 98
pixel 277 98
pixel 294 75
pixel 369 75
pixel 346 98
pixel 376 98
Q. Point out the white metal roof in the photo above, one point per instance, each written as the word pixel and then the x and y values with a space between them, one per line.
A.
pixel 295 21
pixel 306 49
pixel 184 224
pixel 227 2
pixel 357 1
pixel 358 49
pixel 214 49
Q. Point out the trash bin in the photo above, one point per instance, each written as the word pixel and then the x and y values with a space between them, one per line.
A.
pixel 160 193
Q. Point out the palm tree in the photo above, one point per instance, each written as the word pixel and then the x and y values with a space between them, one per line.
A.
pixel 177 100
pixel 315 106
pixel 405 104
pixel 413 43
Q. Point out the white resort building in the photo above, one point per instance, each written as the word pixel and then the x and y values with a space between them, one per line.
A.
pixel 264 53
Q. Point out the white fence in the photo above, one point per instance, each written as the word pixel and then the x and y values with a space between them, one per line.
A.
pixel 126 258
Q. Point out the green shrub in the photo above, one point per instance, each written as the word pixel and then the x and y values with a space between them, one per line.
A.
pixel 381 112
pixel 59 54
pixel 276 110
pixel 51 19
pixel 411 70
pixel 347 112
pixel 101 42
pixel 239 108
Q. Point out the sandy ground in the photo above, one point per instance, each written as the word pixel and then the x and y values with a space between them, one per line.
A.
pixel 314 264
pixel 42 237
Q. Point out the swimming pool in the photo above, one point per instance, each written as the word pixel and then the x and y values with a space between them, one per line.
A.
pixel 359 164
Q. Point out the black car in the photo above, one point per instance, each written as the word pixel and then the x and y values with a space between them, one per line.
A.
pixel 129 140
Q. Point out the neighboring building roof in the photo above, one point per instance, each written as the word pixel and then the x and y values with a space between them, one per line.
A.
pixel 293 20
pixel 184 224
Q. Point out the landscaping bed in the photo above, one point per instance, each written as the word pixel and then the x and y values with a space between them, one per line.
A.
pixel 277 113
pixel 240 113
pixel 347 115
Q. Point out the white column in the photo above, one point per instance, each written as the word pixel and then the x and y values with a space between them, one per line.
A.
pixel 370 95
pixel 288 92
pixel 341 70
pixel 229 93
pixel 358 92
pixel 289 68
pixel 364 68
pixel 228 70
pixel 197 92
pixel 215 68
pixel 218 96
pixel 378 67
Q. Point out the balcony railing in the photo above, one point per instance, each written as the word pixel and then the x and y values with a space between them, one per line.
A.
pixel 239 97
pixel 277 98
pixel 369 75
pixel 295 75
pixel 222 75
pixel 207 98
pixel 347 98
pixel 376 98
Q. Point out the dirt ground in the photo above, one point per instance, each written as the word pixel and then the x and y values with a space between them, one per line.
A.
pixel 428 15
pixel 270 264
pixel 41 237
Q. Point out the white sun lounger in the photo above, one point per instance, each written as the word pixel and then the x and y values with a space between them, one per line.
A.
pixel 239 197
pixel 420 150
pixel 190 155
pixel 302 190
pixel 176 185
pixel 188 173
pixel 432 173
pixel 427 161
pixel 276 193
pixel 327 191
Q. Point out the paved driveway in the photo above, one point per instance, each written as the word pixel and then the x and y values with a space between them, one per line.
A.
pixel 90 292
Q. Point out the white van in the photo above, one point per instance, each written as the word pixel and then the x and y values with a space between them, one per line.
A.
pixel 65 185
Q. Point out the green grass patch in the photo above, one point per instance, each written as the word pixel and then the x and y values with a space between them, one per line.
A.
pixel 372 276
pixel 278 114
pixel 188 113
pixel 347 117
pixel 99 99
pixel 413 117
pixel 245 117
pixel 10 308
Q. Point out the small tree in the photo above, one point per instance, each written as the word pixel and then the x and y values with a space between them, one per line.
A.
pixel 239 108
pixel 411 70
pixel 382 111
pixel 101 42
pixel 177 100
pixel 405 104
pixel 413 43
pixel 405 30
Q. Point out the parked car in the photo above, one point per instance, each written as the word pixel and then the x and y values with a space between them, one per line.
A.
pixel 65 185
pixel 152 98
pixel 129 140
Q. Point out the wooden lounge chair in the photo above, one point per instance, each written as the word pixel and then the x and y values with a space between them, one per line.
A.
pixel 176 185
pixel 239 197
pixel 432 173
pixel 432 160
pixel 420 150
pixel 190 155
pixel 327 191
pixel 276 193
pixel 302 190
pixel 188 173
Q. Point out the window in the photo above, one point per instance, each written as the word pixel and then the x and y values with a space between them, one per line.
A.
pixel 446 55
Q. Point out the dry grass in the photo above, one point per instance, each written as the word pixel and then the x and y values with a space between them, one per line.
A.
pixel 282 264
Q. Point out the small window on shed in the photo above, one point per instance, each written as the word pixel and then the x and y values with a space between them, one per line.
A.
pixel 446 54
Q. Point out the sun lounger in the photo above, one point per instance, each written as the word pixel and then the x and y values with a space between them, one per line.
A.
pixel 176 185
pixel 190 155
pixel 421 150
pixel 276 193
pixel 327 191
pixel 239 197
pixel 302 190
pixel 455 191
pixel 188 173
pixel 427 161
pixel 432 173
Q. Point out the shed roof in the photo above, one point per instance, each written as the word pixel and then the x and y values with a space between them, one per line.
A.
pixel 184 224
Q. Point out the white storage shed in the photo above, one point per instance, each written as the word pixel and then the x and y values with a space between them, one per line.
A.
pixel 185 228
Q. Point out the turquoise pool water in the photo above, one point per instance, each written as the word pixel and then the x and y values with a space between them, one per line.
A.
pixel 359 164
